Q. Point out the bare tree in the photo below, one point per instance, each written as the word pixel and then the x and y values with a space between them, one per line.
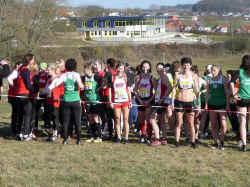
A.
pixel 39 17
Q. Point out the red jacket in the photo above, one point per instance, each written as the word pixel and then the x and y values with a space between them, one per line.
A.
pixel 21 88
pixel 54 98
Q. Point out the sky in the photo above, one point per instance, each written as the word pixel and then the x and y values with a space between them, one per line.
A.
pixel 128 3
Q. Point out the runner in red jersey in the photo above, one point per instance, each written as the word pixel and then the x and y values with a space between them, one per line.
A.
pixel 104 94
pixel 42 76
pixel 12 81
pixel 23 89
pixel 53 101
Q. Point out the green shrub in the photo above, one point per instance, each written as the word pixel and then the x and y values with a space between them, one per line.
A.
pixel 236 44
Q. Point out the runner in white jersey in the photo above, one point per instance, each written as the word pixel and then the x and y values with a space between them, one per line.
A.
pixel 120 97
pixel 163 89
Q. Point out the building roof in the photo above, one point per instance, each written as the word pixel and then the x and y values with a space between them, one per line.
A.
pixel 124 17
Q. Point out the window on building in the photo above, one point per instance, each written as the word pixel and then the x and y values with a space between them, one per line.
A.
pixel 114 33
pixel 128 33
pixel 95 23
pixel 108 24
pixel 110 33
pixel 100 33
pixel 137 33
pixel 84 24
pixel 106 33
pixel 96 33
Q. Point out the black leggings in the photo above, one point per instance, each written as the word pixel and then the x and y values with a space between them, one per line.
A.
pixel 14 114
pixel 24 115
pixel 38 105
pixel 53 117
pixel 75 109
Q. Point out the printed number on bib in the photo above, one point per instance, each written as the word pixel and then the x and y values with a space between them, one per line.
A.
pixel 88 86
pixel 144 93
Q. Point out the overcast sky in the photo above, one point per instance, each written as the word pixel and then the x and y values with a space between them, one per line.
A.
pixel 128 3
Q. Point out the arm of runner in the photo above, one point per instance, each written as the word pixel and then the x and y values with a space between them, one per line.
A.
pixel 136 90
pixel 56 82
pixel 11 77
pixel 226 92
pixel 176 80
pixel 79 82
pixel 196 89
pixel 169 87
pixel 207 95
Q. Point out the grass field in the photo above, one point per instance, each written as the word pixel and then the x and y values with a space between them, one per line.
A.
pixel 39 163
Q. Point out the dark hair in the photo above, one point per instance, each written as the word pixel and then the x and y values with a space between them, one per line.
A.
pixel 138 69
pixel 245 64
pixel 88 65
pixel 195 69
pixel 120 63
pixel 111 62
pixel 160 63
pixel 71 64
pixel 146 62
pixel 186 60
pixel 27 58
pixel 230 72
pixel 17 64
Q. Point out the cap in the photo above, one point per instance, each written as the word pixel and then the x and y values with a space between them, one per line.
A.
pixel 43 65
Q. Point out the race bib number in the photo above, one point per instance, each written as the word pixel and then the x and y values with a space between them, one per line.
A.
pixel 143 93
pixel 88 85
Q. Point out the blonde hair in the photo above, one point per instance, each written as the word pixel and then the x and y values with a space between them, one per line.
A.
pixel 34 68
pixel 55 68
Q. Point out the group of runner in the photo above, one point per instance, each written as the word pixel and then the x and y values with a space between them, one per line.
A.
pixel 104 93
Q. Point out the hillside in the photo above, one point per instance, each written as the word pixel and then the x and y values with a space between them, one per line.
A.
pixel 221 6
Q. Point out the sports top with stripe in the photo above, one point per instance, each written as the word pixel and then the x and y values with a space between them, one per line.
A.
pixel 120 89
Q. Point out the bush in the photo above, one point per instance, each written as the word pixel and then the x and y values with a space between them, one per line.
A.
pixel 62 27
pixel 236 44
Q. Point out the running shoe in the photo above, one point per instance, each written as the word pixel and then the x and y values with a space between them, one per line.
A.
pixel 118 140
pixel 215 146
pixel 155 143
pixel 193 145
pixel 203 136
pixel 89 140
pixel 197 141
pixel 65 142
pixel 124 141
pixel 78 142
pixel 53 138
pixel 177 144
pixel 19 137
pixel 164 141
pixel 240 143
pixel 222 146
pixel 27 138
pixel 244 148
pixel 148 141
pixel 142 139
pixel 98 140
